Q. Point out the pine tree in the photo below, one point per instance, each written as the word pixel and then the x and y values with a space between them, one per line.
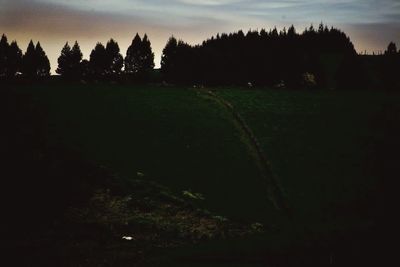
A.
pixel 28 61
pixel 133 55
pixel 291 32
pixel 391 65
pixel 391 49
pixel 69 61
pixel 4 46
pixel 139 56
pixel 99 60
pixel 115 61
pixel 76 60
pixel 35 62
pixel 147 55
pixel 14 59
pixel 42 62
pixel 85 69
pixel 169 56
pixel 64 61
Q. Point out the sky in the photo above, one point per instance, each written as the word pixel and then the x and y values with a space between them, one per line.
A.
pixel 371 24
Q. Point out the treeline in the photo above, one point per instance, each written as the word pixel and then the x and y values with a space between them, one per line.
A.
pixel 323 57
pixel 388 67
pixel 33 64
pixel 106 62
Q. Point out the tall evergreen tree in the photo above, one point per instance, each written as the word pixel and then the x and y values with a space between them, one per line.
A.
pixel 69 62
pixel 147 55
pixel 133 55
pixel 99 60
pixel 139 56
pixel 14 59
pixel 76 60
pixel 4 46
pixel 390 67
pixel 35 62
pixel 64 61
pixel 115 61
pixel 391 49
pixel 291 33
pixel 85 70
pixel 42 62
pixel 29 61
pixel 169 56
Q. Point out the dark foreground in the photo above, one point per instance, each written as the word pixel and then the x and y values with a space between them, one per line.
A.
pixel 171 168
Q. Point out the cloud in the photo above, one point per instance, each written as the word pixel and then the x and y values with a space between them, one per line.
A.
pixel 373 37
pixel 370 23
pixel 209 2
pixel 55 23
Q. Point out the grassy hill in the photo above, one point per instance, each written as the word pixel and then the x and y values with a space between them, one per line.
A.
pixel 180 137
pixel 332 154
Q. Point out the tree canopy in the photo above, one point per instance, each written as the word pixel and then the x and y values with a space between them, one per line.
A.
pixel 139 56
pixel 390 67
pixel 35 63
pixel 317 57
pixel 69 62
pixel 42 62
pixel 99 60
pixel 391 49
pixel 3 55
pixel 105 61
pixel 260 57
pixel 115 61
pixel 10 58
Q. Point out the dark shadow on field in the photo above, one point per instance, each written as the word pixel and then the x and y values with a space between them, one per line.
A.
pixel 368 242
pixel 37 186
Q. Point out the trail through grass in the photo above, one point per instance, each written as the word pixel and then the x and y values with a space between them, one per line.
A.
pixel 321 144
pixel 183 141
pixel 274 190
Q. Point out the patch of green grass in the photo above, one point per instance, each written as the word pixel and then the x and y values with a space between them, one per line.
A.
pixel 324 148
pixel 183 140
pixel 319 144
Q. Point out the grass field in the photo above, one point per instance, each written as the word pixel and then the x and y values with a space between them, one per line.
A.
pixel 321 146
pixel 179 137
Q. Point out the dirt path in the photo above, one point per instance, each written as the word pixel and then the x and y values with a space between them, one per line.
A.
pixel 275 192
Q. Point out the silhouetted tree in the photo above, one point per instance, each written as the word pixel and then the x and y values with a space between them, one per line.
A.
pixel 115 60
pixel 29 61
pixel 14 59
pixel 35 63
pixel 133 54
pixel 139 58
pixel 99 61
pixel 64 61
pixel 76 55
pixel 169 57
pixel 85 69
pixel 147 55
pixel 185 67
pixel 69 62
pixel 178 62
pixel 260 57
pixel 42 62
pixel 391 65
pixel 391 49
pixel 3 56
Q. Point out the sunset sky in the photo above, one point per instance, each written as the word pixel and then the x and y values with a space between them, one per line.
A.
pixel 371 24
